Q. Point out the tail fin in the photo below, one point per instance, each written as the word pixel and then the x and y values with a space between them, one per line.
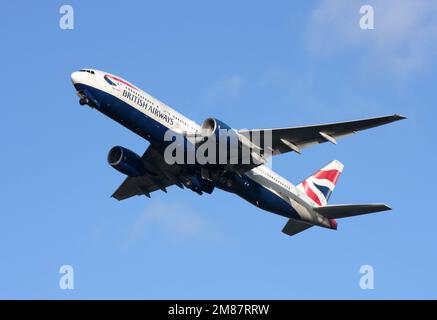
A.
pixel 320 185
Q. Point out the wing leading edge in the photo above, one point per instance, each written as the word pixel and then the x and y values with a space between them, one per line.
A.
pixel 295 138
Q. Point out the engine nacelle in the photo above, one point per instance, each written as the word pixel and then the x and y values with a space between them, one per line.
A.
pixel 214 127
pixel 229 146
pixel 126 161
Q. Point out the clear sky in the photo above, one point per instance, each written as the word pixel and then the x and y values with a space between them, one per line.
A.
pixel 251 64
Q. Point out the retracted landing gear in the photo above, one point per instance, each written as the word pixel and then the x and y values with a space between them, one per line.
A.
pixel 83 101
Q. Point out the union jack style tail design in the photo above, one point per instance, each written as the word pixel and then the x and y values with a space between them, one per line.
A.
pixel 320 185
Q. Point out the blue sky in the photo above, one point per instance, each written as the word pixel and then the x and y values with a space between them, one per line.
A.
pixel 250 64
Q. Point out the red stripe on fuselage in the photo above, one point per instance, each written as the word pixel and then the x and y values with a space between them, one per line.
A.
pixel 310 193
pixel 331 175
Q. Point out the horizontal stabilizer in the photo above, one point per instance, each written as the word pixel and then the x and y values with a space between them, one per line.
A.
pixel 293 227
pixel 349 210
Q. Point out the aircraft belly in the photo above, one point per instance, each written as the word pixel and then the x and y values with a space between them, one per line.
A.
pixel 261 197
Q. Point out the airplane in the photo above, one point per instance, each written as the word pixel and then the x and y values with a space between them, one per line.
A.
pixel 305 205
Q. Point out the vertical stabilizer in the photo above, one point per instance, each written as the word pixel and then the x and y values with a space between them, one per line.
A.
pixel 320 185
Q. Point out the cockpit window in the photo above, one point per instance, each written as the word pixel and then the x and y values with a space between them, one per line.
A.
pixel 85 70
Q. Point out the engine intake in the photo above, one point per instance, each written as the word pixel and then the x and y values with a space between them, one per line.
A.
pixel 215 127
pixel 126 161
pixel 229 146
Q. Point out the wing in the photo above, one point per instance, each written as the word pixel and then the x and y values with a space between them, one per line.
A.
pixel 296 138
pixel 160 175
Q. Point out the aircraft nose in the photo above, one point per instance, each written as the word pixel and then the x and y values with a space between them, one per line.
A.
pixel 75 76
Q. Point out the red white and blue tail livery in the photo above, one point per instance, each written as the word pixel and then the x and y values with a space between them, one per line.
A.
pixel 320 185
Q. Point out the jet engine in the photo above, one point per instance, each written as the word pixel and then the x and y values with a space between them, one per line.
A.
pixel 126 161
pixel 220 130
pixel 229 145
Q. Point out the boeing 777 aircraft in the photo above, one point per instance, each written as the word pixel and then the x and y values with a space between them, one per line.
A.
pixel 304 205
